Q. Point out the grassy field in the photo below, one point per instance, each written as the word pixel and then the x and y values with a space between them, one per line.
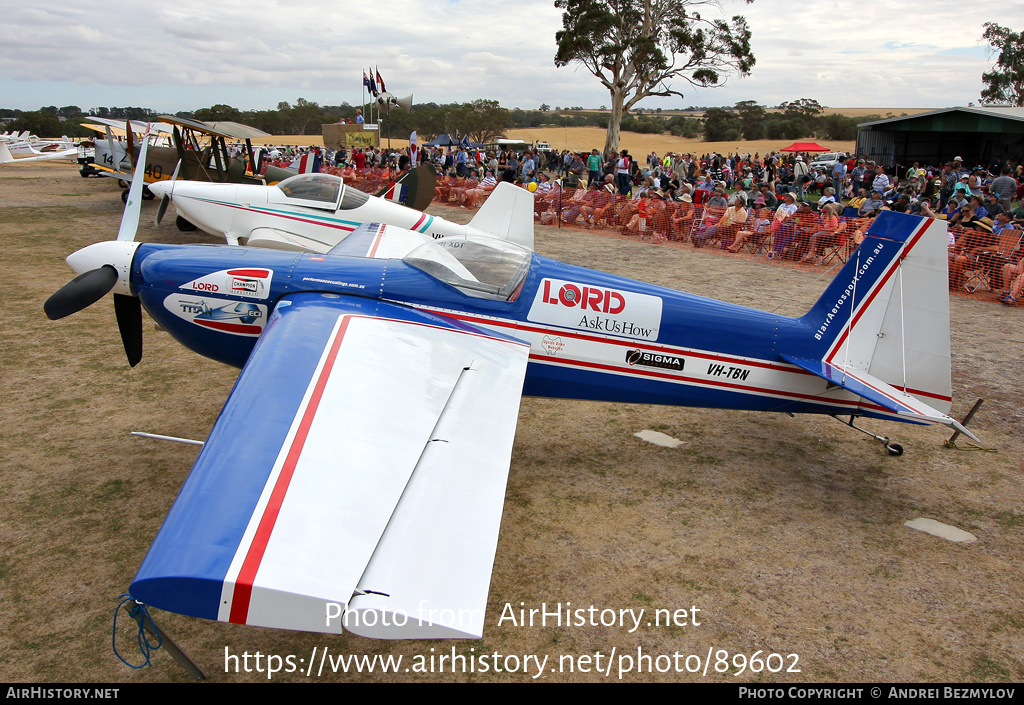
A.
pixel 587 138
pixel 786 533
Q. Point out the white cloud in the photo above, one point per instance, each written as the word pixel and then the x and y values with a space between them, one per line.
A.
pixel 255 53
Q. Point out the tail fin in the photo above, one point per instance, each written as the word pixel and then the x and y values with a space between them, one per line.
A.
pixel 881 329
pixel 507 214
pixel 418 188
pixel 5 154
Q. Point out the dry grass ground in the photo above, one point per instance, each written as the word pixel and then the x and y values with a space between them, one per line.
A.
pixel 640 145
pixel 787 533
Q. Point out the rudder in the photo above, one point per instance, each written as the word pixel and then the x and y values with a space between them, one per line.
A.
pixel 887 311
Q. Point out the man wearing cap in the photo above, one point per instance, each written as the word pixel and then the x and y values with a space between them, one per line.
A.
pixel 799 172
pixel 962 188
pixel 857 175
pixel 992 204
pixel 948 179
pixel 881 180
pixel 872 205
pixel 839 177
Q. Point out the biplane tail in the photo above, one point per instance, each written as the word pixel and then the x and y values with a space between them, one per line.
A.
pixel 881 329
pixel 414 189
pixel 507 214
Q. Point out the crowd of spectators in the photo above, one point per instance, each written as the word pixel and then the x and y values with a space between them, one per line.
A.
pixel 774 204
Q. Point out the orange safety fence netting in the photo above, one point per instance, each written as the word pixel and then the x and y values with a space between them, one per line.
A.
pixel 982 265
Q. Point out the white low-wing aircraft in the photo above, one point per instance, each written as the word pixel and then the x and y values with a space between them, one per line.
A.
pixel 315 212
pixel 32 154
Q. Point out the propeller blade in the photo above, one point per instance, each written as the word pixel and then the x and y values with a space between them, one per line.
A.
pixel 82 291
pixel 166 199
pixel 164 202
pixel 128 310
pixel 130 218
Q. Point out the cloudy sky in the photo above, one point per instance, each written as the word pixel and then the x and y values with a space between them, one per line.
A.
pixel 252 54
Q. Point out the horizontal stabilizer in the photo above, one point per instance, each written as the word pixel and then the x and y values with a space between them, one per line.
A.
pixel 507 214
pixel 877 392
pixel 277 239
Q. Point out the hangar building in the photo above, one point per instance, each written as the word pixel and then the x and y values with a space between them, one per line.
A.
pixel 979 135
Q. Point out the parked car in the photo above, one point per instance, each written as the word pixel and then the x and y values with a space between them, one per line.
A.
pixel 828 160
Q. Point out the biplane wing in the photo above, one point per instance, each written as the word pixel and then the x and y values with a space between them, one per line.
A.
pixel 355 478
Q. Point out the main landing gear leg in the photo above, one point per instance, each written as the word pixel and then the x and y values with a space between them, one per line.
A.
pixel 893 448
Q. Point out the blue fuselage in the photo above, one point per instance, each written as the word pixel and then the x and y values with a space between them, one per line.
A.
pixel 593 335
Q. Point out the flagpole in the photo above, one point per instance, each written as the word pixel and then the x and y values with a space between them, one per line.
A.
pixel 362 104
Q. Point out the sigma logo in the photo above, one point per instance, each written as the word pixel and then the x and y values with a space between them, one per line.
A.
pixel 648 359
pixel 596 308
pixel 247 283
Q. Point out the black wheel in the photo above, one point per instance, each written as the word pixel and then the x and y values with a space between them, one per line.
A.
pixel 122 183
pixel 124 196
pixel 147 195
pixel 183 225
pixel 84 173
pixel 894 449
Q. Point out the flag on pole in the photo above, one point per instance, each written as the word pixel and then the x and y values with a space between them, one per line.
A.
pixel 414 150
pixel 371 85
pixel 381 82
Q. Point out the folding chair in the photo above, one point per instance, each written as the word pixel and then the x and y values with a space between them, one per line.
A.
pixel 838 250
pixel 991 262
pixel 707 219
pixel 728 236
pixel 759 239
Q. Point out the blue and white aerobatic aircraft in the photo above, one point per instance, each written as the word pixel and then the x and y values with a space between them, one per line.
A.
pixel 356 475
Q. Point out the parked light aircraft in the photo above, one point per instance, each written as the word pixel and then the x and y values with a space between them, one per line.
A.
pixel 33 155
pixel 200 148
pixel 113 155
pixel 200 154
pixel 315 212
pixel 356 475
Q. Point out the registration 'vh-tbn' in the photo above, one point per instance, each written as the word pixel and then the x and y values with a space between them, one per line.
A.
pixel 356 476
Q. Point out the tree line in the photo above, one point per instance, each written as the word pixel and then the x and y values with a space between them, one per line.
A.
pixel 483 120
